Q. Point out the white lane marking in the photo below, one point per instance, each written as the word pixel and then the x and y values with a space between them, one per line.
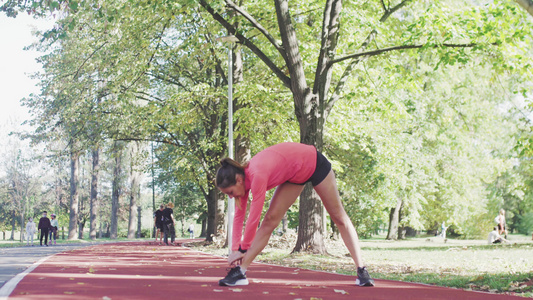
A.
pixel 8 288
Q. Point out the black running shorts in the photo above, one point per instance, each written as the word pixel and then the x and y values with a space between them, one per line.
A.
pixel 323 166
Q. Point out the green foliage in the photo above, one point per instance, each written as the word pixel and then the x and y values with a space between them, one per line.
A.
pixel 525 224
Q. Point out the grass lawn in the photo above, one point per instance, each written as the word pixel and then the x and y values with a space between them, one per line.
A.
pixel 466 264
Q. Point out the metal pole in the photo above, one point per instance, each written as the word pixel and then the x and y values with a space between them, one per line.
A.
pixel 153 187
pixel 231 201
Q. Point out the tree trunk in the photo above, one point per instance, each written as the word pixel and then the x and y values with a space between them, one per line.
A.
pixel 204 227
pixel 13 222
pixel 310 223
pixel 139 220
pixel 94 192
pixel 334 230
pixel 74 196
pixel 221 213
pixel 527 5
pixel 135 177
pixel 211 214
pixel 81 226
pixel 134 199
pixel 394 220
pixel 285 222
pixel 22 227
pixel 116 189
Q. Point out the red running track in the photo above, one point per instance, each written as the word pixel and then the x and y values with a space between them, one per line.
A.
pixel 143 271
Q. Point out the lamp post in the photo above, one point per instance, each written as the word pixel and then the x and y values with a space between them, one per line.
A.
pixel 231 39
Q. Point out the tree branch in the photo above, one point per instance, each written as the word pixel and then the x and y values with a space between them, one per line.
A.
pixel 396 48
pixel 87 59
pixel 390 11
pixel 342 81
pixel 246 42
pixel 328 40
pixel 371 36
pixel 259 27
pixel 298 82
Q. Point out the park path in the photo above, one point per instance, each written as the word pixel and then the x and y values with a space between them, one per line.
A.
pixel 17 259
pixel 139 270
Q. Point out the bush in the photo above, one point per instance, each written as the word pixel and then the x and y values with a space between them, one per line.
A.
pixel 525 225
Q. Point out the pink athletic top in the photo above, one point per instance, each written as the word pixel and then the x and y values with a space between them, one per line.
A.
pixel 285 162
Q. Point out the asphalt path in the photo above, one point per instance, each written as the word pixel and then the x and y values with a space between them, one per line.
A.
pixel 17 259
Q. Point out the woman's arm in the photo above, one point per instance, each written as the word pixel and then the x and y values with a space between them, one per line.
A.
pixel 238 221
pixel 258 188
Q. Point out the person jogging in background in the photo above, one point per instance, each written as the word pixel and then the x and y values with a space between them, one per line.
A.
pixel 286 166
pixel 44 227
pixel 158 223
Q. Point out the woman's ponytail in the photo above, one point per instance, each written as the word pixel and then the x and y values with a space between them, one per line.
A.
pixel 227 172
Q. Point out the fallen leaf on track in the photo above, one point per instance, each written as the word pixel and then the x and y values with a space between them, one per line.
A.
pixel 341 292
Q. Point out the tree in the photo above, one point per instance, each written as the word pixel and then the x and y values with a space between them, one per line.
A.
pixel 316 92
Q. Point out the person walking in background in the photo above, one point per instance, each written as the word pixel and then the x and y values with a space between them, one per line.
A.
pixel 168 223
pixel 500 220
pixel 54 225
pixel 158 223
pixel 191 231
pixel 30 231
pixel 443 230
pixel 44 227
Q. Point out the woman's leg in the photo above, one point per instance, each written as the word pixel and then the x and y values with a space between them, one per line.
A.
pixel 283 198
pixel 328 192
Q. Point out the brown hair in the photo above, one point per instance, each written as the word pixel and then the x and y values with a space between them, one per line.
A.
pixel 228 171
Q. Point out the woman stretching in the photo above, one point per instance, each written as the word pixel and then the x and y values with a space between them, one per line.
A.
pixel 286 166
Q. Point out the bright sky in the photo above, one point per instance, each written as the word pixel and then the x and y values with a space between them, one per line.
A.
pixel 16 65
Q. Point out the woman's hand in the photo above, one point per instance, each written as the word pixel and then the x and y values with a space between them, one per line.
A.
pixel 235 258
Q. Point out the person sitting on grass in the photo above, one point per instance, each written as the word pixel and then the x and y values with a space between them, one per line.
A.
pixel 496 238
pixel 288 167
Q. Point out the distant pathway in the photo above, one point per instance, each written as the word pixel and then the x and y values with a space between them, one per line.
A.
pixel 16 259
pixel 139 270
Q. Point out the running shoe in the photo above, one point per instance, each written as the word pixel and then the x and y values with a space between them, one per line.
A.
pixel 234 277
pixel 363 278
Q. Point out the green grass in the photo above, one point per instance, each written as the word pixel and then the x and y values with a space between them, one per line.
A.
pixel 464 264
